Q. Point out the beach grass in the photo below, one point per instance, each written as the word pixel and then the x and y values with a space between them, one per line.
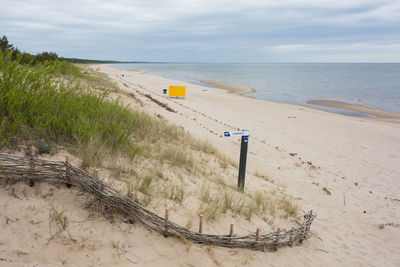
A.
pixel 40 102
pixel 57 103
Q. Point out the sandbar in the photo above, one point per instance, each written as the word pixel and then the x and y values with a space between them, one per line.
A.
pixel 376 113
pixel 231 87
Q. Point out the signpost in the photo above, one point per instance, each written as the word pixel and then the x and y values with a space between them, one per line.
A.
pixel 243 154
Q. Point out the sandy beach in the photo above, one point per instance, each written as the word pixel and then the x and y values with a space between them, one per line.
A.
pixel 356 159
pixel 346 169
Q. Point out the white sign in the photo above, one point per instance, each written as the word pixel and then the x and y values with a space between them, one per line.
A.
pixel 241 133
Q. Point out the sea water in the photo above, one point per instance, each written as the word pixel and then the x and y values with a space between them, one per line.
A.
pixel 372 84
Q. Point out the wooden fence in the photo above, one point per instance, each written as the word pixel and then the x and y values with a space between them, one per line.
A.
pixel 14 169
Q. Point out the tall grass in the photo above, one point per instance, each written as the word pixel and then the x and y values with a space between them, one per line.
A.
pixel 43 102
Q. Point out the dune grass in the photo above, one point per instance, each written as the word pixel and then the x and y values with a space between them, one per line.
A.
pixel 57 103
pixel 39 103
pixel 45 102
pixel 219 198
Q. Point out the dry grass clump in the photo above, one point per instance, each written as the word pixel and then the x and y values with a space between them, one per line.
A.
pixel 178 157
pixel 206 147
pixel 206 193
pixel 149 184
pixel 221 199
pixel 211 210
pixel 174 192
pixel 140 188
pixel 288 206
pixel 145 185
pixel 227 203
pixel 91 152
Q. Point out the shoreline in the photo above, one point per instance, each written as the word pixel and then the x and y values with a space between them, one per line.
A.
pixel 376 114
pixel 372 113
pixel 242 90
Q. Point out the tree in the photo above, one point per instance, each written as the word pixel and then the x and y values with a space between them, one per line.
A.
pixel 15 53
pixel 45 56
pixel 5 45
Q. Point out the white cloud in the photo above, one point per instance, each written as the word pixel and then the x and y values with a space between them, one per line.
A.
pixel 354 52
pixel 231 25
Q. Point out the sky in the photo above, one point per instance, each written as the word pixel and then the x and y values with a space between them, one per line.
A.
pixel 258 31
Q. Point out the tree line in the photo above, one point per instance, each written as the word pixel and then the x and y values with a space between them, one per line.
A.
pixel 26 58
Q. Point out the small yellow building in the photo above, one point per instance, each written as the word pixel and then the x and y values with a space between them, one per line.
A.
pixel 177 91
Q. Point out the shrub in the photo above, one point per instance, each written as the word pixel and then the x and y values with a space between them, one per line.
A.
pixel 45 147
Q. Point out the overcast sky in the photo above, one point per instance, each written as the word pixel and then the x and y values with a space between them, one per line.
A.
pixel 207 30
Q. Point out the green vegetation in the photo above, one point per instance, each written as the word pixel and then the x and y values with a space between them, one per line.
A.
pixel 40 103
pixel 91 61
pixel 51 103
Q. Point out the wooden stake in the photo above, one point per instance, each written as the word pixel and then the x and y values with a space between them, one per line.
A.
pixel 166 224
pixel 276 240
pixel 231 231
pixel 291 238
pixel 201 224
pixel 67 170
pixel 96 173
pixel 257 234
pixel 32 163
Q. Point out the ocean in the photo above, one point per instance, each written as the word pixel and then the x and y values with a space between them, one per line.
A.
pixel 375 85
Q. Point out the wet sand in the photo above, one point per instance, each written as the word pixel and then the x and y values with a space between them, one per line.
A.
pixel 231 87
pixel 376 113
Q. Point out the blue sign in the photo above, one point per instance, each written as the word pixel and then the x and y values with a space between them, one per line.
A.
pixel 246 138
pixel 227 134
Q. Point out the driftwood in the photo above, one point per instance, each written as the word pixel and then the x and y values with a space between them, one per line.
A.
pixel 14 169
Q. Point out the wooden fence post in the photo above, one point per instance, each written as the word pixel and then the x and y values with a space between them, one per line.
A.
pixel 275 246
pixel 257 234
pixel 303 232
pixel 201 224
pixel 166 224
pixel 67 171
pixel 231 231
pixel 291 237
pixel 32 166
